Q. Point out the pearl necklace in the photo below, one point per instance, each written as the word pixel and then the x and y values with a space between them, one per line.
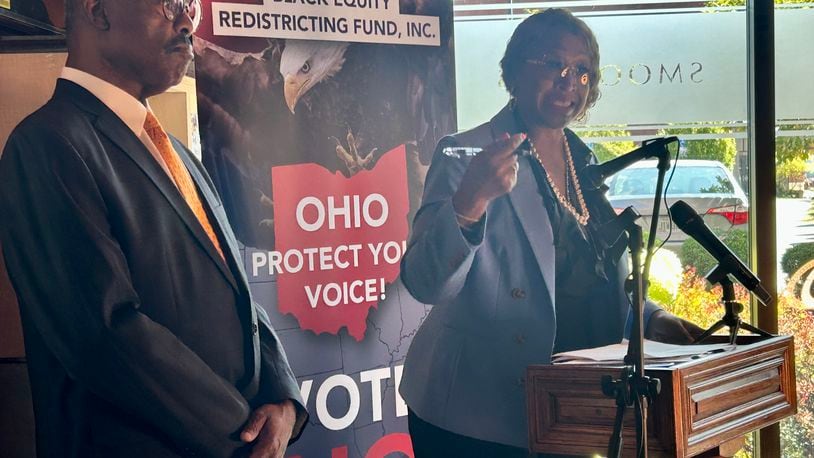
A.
pixel 582 215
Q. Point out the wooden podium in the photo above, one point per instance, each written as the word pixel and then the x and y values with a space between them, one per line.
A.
pixel 704 403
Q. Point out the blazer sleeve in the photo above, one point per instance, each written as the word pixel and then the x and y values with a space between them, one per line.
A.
pixel 277 381
pixel 438 258
pixel 75 286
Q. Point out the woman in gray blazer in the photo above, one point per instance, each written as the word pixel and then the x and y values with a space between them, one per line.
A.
pixel 512 265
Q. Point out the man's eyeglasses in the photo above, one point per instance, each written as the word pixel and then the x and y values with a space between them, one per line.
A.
pixel 173 9
pixel 553 67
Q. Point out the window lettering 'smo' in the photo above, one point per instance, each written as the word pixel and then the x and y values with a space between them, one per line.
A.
pixel 640 74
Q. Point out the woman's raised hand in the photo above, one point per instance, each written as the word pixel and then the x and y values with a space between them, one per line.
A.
pixel 492 173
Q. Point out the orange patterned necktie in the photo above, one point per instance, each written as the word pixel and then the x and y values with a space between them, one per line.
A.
pixel 180 175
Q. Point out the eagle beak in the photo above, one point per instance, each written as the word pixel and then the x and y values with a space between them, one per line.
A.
pixel 293 88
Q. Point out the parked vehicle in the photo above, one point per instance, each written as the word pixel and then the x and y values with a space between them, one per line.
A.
pixel 707 186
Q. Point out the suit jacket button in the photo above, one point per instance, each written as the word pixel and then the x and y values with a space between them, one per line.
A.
pixel 520 381
pixel 521 339
pixel 254 329
pixel 518 293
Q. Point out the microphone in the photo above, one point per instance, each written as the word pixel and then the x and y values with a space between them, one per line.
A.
pixel 595 174
pixel 610 231
pixel 693 225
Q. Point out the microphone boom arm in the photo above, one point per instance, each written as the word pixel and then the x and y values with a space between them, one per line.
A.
pixel 594 175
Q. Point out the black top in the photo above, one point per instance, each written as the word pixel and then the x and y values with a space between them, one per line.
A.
pixel 585 266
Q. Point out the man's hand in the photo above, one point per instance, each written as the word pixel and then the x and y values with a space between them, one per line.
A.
pixel 668 328
pixel 269 429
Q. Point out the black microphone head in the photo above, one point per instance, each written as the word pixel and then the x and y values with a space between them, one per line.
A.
pixel 689 221
pixel 683 215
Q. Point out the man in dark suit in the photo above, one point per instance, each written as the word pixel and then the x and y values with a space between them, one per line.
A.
pixel 141 335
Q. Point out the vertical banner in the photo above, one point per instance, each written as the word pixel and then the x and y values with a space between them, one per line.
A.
pixel 318 119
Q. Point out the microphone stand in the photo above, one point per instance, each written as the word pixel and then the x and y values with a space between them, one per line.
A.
pixel 633 388
pixel 663 166
pixel 732 309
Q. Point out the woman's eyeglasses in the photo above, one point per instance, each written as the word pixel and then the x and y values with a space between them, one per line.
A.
pixel 553 67
pixel 173 9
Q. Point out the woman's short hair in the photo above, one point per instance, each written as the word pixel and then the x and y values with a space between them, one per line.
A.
pixel 537 30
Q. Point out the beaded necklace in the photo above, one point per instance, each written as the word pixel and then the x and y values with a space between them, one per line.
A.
pixel 582 215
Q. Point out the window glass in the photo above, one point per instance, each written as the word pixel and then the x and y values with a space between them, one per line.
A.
pixel 794 106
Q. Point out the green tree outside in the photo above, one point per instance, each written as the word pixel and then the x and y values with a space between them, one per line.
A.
pixel 722 150
pixel 790 177
pixel 606 151
pixel 789 148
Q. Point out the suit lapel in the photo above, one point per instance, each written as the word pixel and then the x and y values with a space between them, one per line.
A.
pixel 528 205
pixel 531 212
pixel 114 128
pixel 229 244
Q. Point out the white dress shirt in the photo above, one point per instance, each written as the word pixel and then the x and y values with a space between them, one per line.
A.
pixel 125 106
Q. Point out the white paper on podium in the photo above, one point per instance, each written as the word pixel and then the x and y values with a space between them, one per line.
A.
pixel 654 352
